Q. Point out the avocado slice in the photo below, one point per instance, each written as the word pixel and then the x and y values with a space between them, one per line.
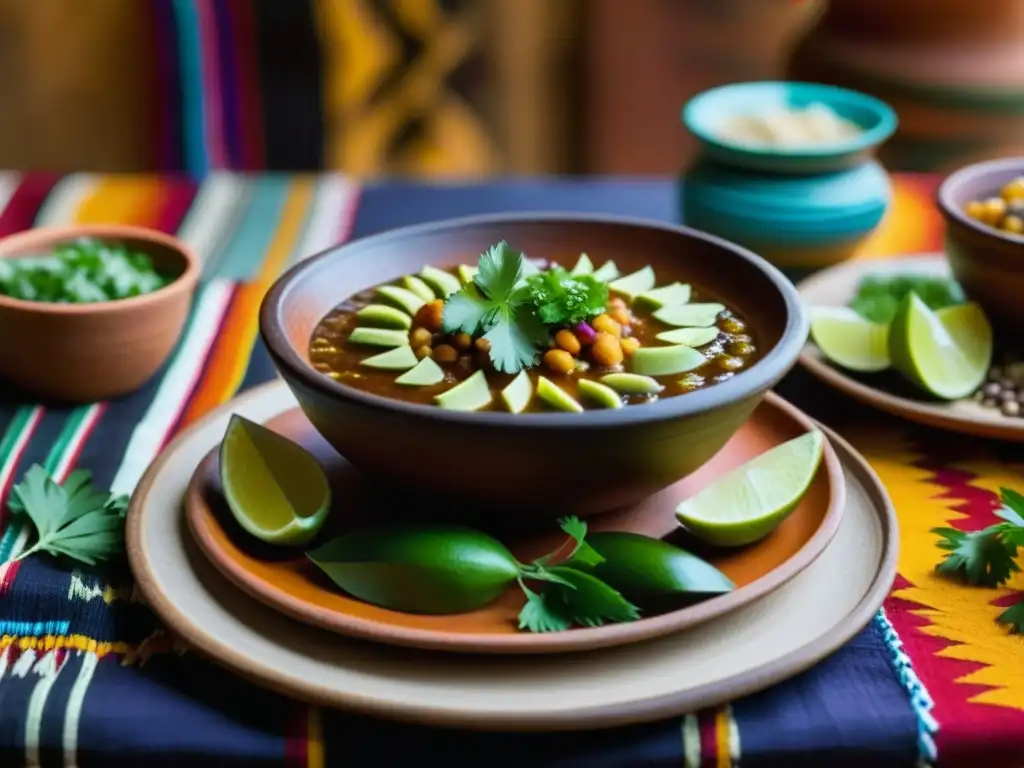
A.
pixel 519 393
pixel 666 361
pixel 425 373
pixel 472 394
pixel 417 286
pixel 379 337
pixel 690 315
pixel 583 267
pixel 397 359
pixel 631 286
pixel 442 281
pixel 607 272
pixel 632 383
pixel 402 297
pixel 467 273
pixel 666 296
pixel 383 316
pixel 604 396
pixel 556 397
pixel 691 337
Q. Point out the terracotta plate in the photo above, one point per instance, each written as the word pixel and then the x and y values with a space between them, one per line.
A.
pixel 836 287
pixel 293 585
pixel 744 651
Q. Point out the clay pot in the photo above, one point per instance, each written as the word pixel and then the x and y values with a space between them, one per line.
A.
pixel 91 352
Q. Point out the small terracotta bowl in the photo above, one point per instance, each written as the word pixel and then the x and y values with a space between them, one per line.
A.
pixel 988 262
pixel 535 465
pixel 91 352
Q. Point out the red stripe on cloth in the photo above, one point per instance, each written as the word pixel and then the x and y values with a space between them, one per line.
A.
pixel 6 483
pixel 10 571
pixel 23 207
pixel 296 744
pixel 209 56
pixel 243 21
pixel 708 738
pixel 179 193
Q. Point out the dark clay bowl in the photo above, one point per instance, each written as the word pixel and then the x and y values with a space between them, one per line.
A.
pixel 538 465
pixel 988 262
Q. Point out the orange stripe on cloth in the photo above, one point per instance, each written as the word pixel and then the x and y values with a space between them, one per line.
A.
pixel 723 737
pixel 230 358
pixel 136 200
pixel 314 739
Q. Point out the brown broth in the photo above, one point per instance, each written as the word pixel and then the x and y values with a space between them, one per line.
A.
pixel 332 355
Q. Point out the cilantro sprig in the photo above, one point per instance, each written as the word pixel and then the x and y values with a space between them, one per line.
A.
pixel 497 306
pixel 562 299
pixel 570 596
pixel 73 519
pixel 988 558
pixel 80 272
pixel 879 296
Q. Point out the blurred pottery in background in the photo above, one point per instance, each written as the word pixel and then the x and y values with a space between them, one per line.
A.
pixel 952 70
pixel 806 204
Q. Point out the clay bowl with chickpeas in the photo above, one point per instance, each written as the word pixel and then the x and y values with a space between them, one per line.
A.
pixel 532 365
pixel 983 206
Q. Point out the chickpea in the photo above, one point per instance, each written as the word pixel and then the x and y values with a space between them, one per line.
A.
pixel 1014 224
pixel 975 209
pixel 995 209
pixel 423 350
pixel 559 361
pixel 604 324
pixel 1014 190
pixel 420 337
pixel 629 346
pixel 727 363
pixel 462 341
pixel 617 302
pixel 482 345
pixel 607 350
pixel 430 315
pixel 567 340
pixel 445 353
pixel 733 325
pixel 741 348
pixel 621 316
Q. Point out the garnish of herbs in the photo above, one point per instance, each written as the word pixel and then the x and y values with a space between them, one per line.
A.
pixel 514 314
pixel 988 558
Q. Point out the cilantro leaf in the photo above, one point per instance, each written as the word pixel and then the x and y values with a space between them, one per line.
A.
pixel 591 603
pixel 1013 507
pixel 562 299
pixel 493 306
pixel 982 558
pixel 537 615
pixel 583 553
pixel 74 519
pixel 498 271
pixel 1014 616
pixel 878 296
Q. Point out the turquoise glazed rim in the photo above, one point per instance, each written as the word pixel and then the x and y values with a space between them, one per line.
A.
pixel 749 207
pixel 705 113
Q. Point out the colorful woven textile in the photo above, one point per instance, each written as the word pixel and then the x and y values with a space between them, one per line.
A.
pixel 88 677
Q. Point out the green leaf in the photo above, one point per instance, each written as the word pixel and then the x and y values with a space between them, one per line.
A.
pixel 981 558
pixel 512 346
pixel 538 616
pixel 498 272
pixel 591 603
pixel 1013 507
pixel 466 311
pixel 562 299
pixel 74 520
pixel 583 553
pixel 879 296
pixel 1014 616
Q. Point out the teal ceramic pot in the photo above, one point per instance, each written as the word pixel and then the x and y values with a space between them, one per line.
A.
pixel 707 112
pixel 790 220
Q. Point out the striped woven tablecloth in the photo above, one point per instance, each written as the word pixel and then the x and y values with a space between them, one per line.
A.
pixel 88 677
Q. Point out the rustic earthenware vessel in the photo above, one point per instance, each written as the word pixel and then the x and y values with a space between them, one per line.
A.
pixel 538 465
pixel 988 262
pixel 92 352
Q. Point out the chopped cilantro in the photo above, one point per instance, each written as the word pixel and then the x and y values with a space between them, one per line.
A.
pixel 80 272
pixel 878 296
pixel 562 299
pixel 495 306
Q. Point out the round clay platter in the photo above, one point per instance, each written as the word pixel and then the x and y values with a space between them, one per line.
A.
pixel 836 286
pixel 733 655
pixel 289 582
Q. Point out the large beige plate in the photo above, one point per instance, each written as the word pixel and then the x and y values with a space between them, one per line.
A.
pixel 741 652
pixel 836 287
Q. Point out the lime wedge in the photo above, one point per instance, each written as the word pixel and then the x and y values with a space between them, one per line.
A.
pixel 946 353
pixel 750 501
pixel 275 489
pixel 850 341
